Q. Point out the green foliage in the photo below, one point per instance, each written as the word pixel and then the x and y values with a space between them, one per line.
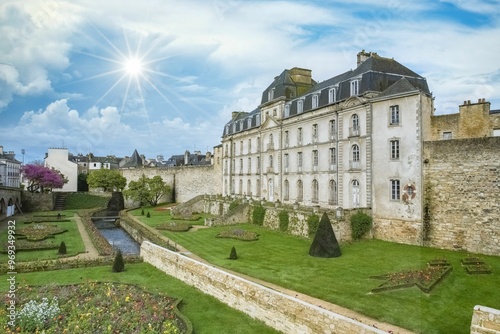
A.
pixel 284 220
pixel 360 224
pixel 118 263
pixel 142 212
pixel 233 255
pixel 62 248
pixel 258 214
pixel 312 224
pixel 234 204
pixel 108 179
pixel 148 215
pixel 147 190
pixel 35 316
pixel 82 182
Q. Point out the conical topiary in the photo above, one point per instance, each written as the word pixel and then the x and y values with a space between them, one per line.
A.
pixel 233 255
pixel 142 212
pixel 118 263
pixel 62 248
pixel 148 215
pixel 325 243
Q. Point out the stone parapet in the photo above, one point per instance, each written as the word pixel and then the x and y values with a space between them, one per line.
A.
pixel 485 320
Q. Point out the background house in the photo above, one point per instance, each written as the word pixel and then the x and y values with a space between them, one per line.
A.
pixel 58 158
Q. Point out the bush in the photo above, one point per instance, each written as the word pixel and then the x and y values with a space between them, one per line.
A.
pixel 360 224
pixel 148 215
pixel 233 255
pixel 234 204
pixel 118 264
pixel 284 220
pixel 142 212
pixel 258 214
pixel 62 248
pixel 312 224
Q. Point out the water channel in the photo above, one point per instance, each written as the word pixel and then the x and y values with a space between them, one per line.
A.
pixel 116 236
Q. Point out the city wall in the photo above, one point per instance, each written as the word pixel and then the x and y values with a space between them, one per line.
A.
pixel 462 188
pixel 282 312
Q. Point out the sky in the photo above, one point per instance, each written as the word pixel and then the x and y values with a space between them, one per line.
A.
pixel 163 76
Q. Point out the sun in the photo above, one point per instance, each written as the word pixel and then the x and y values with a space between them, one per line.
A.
pixel 133 66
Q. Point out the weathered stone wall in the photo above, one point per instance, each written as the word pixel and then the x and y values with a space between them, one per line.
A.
pixel 462 188
pixel 282 312
pixel 187 182
pixel 485 320
pixel 400 231
pixel 37 201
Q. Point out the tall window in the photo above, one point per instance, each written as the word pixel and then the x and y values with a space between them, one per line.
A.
pixel 315 132
pixel 333 156
pixel 395 190
pixel 332 193
pixel 315 98
pixel 258 144
pixel 300 191
pixel 241 147
pixel 249 166
pixel 249 146
pixel 394 115
pixel 286 162
pixel 332 129
pixel 332 95
pixel 270 94
pixel 257 188
pixel 315 191
pixel 271 141
pixel 287 110
pixel 270 161
pixel 286 189
pixel 299 136
pixel 395 149
pixel 241 187
pixel 258 164
pixel 299 159
pixel 355 193
pixel 355 87
pixel 315 158
pixel 355 121
pixel 355 152
pixel 233 166
pixel 249 122
pixel 287 138
pixel 249 188
pixel 241 166
pixel 300 106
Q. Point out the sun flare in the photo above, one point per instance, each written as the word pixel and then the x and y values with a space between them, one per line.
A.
pixel 133 66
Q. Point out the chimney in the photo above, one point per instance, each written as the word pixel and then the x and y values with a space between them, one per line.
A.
pixel 234 115
pixel 362 56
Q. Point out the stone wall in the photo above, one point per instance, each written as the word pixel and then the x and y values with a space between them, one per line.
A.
pixel 282 312
pixel 485 320
pixel 186 182
pixel 462 188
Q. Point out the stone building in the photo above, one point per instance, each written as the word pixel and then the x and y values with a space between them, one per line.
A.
pixel 352 141
pixel 58 158
pixel 10 169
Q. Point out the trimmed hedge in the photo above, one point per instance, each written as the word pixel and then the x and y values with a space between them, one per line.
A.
pixel 361 223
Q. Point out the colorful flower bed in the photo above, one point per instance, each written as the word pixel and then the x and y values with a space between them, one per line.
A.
pixel 38 232
pixel 174 226
pixel 424 279
pixel 94 308
pixel 239 234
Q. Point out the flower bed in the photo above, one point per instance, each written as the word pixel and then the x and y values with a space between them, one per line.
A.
pixel 189 218
pixel 98 308
pixel 38 232
pixel 174 226
pixel 439 262
pixel 25 245
pixel 475 266
pixel 472 260
pixel 238 234
pixel 424 279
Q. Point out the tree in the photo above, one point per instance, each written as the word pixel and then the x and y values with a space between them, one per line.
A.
pixel 108 179
pixel 147 190
pixel 41 178
pixel 82 182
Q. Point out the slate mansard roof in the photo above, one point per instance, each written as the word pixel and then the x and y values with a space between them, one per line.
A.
pixel 379 75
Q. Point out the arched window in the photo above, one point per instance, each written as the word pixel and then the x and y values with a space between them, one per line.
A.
pixel 270 189
pixel 355 122
pixel 300 191
pixel 332 193
pixel 355 152
pixel 315 191
pixel 249 188
pixel 286 194
pixel 270 161
pixel 226 189
pixel 257 189
pixel 241 187
pixel 355 193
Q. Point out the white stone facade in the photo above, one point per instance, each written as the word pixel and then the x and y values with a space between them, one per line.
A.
pixel 57 158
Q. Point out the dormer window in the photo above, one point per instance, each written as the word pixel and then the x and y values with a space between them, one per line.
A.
pixel 287 110
pixel 332 95
pixel 249 122
pixel 300 106
pixel 315 99
pixel 234 127
pixel 257 120
pixel 270 94
pixel 355 87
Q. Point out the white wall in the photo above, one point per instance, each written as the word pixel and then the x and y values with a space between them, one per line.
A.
pixel 58 158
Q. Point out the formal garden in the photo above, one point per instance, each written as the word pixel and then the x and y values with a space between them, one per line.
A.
pixel 422 289
pixel 425 290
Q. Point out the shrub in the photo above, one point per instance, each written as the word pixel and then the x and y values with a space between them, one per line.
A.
pixel 118 264
pixel 62 248
pixel 234 204
pixel 233 255
pixel 142 212
pixel 312 224
pixel 258 214
pixel 360 224
pixel 284 220
pixel 148 215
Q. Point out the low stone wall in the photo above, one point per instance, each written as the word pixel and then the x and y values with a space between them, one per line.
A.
pixel 485 320
pixel 282 312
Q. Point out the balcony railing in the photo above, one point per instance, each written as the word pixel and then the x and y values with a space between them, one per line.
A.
pixel 270 146
pixel 354 165
pixel 270 169
pixel 333 168
pixel 354 132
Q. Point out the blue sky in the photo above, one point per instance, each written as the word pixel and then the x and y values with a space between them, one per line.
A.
pixel 64 80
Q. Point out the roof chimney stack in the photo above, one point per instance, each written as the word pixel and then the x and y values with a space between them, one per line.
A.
pixel 362 56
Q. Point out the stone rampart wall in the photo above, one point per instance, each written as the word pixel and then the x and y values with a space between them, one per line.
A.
pixel 282 312
pixel 462 188
pixel 187 181
pixel 485 320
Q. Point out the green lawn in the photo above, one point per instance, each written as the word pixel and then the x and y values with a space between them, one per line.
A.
pixel 72 239
pixel 78 201
pixel 207 314
pixel 283 259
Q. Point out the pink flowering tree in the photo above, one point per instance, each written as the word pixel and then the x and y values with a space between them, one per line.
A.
pixel 41 178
